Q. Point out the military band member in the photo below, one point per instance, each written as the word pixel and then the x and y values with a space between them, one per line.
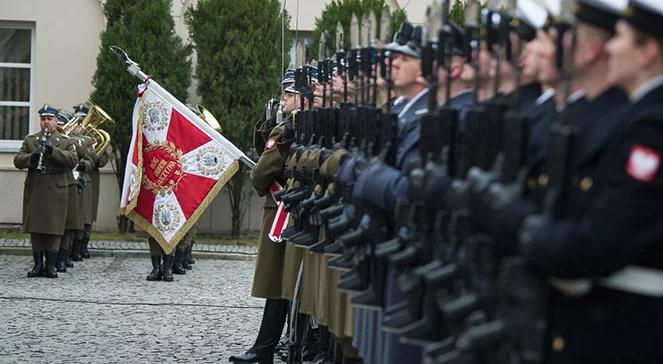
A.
pixel 48 156
pixel 74 222
pixel 99 162
pixel 86 198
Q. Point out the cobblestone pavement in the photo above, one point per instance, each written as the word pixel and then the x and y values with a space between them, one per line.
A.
pixel 104 311
pixel 140 245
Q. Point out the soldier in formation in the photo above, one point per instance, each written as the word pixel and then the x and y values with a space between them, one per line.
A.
pixel 475 191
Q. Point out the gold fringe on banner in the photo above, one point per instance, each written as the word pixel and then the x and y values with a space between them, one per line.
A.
pixel 131 203
pixel 188 224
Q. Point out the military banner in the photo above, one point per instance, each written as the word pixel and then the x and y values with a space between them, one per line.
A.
pixel 177 164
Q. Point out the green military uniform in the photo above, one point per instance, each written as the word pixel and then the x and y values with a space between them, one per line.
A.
pixel 74 222
pixel 308 163
pixel 273 149
pixel 269 264
pixel 45 195
pixel 86 196
pixel 338 314
pixel 293 256
pixel 95 176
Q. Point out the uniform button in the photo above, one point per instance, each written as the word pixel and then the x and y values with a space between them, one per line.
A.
pixel 543 180
pixel 531 183
pixel 585 184
pixel 558 344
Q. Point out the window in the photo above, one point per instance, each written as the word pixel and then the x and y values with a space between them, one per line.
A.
pixel 15 76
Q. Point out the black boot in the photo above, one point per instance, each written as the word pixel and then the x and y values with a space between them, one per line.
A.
pixel 186 263
pixel 155 274
pixel 166 267
pixel 271 327
pixel 84 253
pixel 61 262
pixel 38 269
pixel 178 267
pixel 50 271
pixel 251 356
pixel 67 259
pixel 189 256
pixel 76 251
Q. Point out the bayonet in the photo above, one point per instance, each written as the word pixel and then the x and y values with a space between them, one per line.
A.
pixel 365 56
pixel 372 29
pixel 364 34
pixel 321 48
pixel 340 38
pixel 299 56
pixel 385 26
pixel 354 50
pixel 354 32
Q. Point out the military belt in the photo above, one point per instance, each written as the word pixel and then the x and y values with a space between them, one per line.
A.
pixel 49 171
pixel 631 279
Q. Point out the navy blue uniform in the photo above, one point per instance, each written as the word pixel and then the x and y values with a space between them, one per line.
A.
pixel 616 226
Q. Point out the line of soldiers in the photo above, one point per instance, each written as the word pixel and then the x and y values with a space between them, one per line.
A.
pixel 61 192
pixel 485 192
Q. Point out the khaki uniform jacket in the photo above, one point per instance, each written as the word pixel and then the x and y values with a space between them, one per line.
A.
pixel 45 195
pixel 74 197
pixel 99 162
pixel 85 143
pixel 293 256
pixel 269 264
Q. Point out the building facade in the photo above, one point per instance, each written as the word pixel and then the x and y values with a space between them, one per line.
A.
pixel 48 53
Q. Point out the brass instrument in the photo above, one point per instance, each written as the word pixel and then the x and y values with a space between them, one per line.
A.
pixel 91 123
pixel 41 168
pixel 70 125
pixel 207 116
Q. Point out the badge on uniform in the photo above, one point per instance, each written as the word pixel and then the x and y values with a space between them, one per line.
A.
pixel 642 163
pixel 270 143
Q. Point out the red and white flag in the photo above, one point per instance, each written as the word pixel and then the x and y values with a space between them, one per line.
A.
pixel 177 164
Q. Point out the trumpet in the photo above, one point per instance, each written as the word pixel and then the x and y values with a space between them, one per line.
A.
pixel 46 135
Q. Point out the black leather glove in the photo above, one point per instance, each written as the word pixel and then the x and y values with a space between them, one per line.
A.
pixel 34 157
pixel 81 166
pixel 48 147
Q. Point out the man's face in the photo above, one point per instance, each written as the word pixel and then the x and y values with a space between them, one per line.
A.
pixel 485 62
pixel 290 102
pixel 529 60
pixel 49 123
pixel 405 71
pixel 317 95
pixel 548 72
pixel 77 129
pixel 623 52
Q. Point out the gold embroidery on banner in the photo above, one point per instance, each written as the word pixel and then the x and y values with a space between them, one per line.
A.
pixel 164 171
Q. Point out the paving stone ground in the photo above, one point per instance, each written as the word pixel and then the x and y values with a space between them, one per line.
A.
pixel 142 245
pixel 104 311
